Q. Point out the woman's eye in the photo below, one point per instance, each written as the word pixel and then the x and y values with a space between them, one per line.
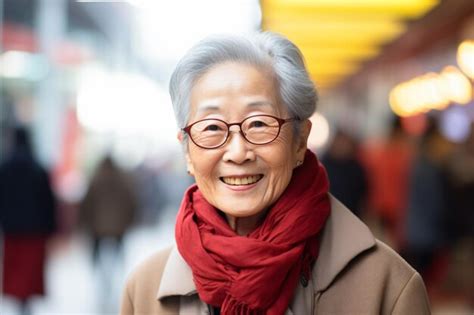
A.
pixel 257 124
pixel 212 128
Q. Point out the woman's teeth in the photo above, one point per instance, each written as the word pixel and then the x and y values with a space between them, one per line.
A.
pixel 238 181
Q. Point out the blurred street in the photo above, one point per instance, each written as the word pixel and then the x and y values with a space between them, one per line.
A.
pixel 74 286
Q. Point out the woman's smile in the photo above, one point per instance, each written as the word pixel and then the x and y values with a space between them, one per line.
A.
pixel 241 180
pixel 242 183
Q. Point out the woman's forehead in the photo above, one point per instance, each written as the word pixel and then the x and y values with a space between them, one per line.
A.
pixel 233 78
pixel 237 83
pixel 230 71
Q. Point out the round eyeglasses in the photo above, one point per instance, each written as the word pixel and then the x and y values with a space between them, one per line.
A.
pixel 211 133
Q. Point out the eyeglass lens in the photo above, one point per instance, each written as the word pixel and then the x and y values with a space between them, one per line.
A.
pixel 211 133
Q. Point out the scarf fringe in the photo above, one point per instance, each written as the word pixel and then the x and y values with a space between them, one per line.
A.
pixel 231 306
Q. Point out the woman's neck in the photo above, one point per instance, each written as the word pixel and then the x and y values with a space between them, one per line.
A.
pixel 244 226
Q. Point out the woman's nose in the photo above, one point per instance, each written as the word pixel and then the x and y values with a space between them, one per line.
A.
pixel 237 149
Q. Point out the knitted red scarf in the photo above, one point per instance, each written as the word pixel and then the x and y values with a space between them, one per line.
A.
pixel 257 273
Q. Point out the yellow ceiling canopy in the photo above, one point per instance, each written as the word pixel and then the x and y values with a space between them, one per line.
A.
pixel 336 36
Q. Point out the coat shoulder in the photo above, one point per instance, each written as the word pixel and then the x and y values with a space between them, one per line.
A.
pixel 405 288
pixel 389 260
pixel 377 281
pixel 151 268
pixel 140 294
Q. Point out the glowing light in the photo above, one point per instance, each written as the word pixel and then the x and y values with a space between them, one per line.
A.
pixel 406 99
pixel 319 131
pixel 455 124
pixel 396 103
pixel 125 104
pixel 22 65
pixel 438 90
pixel 430 91
pixel 164 36
pixel 465 57
pixel 458 87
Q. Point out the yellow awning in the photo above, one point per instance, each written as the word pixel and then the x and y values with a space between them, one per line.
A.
pixel 336 36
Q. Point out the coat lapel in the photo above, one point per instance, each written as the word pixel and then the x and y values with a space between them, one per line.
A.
pixel 177 278
pixel 344 237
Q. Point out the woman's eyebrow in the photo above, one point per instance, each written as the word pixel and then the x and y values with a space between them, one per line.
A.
pixel 208 108
pixel 260 103
pixel 214 107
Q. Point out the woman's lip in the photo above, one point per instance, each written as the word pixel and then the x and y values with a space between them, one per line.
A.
pixel 241 176
pixel 241 187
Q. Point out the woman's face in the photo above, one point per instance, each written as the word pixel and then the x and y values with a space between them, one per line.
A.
pixel 233 91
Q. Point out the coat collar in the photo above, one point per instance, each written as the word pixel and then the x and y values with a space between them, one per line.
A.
pixel 177 277
pixel 344 237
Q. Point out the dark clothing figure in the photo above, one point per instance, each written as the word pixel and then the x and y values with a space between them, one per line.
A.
pixel 150 197
pixel 108 209
pixel 460 221
pixel 426 207
pixel 347 177
pixel 27 219
pixel 425 233
pixel 348 182
pixel 460 217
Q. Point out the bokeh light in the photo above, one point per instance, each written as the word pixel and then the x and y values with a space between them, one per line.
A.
pixel 430 91
pixel 319 135
pixel 455 124
pixel 465 57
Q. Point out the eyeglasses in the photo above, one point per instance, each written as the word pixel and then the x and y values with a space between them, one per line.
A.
pixel 212 133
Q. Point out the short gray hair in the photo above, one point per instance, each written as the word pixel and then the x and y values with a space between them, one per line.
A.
pixel 263 49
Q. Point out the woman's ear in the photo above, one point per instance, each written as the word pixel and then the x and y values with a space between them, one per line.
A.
pixel 302 139
pixel 180 136
pixel 189 163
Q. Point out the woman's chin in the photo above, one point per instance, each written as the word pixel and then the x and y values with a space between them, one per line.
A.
pixel 242 212
pixel 243 221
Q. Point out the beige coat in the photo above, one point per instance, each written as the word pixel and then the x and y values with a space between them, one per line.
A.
pixel 354 274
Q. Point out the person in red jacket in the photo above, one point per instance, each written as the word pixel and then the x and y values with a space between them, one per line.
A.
pixel 27 220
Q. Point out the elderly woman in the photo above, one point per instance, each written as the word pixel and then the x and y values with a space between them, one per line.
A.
pixel 259 233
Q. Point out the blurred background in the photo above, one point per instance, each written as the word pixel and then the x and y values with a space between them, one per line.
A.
pixel 92 175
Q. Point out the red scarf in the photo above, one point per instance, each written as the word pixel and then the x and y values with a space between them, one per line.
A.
pixel 257 273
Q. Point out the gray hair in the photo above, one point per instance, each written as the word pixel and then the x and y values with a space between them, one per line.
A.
pixel 263 49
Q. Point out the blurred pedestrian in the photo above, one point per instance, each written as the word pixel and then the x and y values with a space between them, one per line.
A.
pixel 150 198
pixel 346 173
pixel 388 167
pixel 27 220
pixel 461 166
pixel 460 219
pixel 427 204
pixel 108 208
